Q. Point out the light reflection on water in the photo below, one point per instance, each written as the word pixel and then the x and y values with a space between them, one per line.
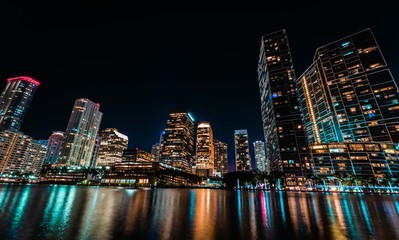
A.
pixel 71 212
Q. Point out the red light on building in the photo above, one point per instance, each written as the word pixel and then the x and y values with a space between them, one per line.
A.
pixel 24 78
pixel 98 104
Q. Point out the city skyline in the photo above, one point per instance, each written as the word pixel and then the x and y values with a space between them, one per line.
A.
pixel 90 52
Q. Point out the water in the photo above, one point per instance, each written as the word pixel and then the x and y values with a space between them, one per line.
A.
pixel 71 212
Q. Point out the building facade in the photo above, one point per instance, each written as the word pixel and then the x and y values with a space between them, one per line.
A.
pixel 241 146
pixel 260 156
pixel 96 151
pixel 286 142
pixel 13 147
pixel 205 151
pixel 137 155
pixel 54 147
pixel 15 101
pixel 111 147
pixel 221 158
pixel 359 158
pixel 156 152
pixel 350 106
pixel 81 133
pixel 348 94
pixel 35 156
pixel 178 141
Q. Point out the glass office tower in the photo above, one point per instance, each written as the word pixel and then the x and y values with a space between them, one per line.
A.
pixel 177 146
pixel 286 143
pixel 350 106
pixel 348 93
pixel 241 147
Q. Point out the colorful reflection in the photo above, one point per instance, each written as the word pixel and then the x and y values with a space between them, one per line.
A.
pixel 71 212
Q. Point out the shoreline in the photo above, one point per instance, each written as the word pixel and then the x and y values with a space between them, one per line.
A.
pixel 199 187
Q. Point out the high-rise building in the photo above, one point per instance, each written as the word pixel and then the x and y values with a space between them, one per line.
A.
pixel 348 93
pixel 13 146
pixel 15 101
pixel 111 148
pixel 178 141
pixel 81 133
pixel 243 158
pixel 286 143
pixel 260 156
pixel 350 106
pixel 205 151
pixel 35 156
pixel 54 147
pixel 137 155
pixel 221 158
pixel 156 151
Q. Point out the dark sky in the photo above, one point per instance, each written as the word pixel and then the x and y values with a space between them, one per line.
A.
pixel 143 61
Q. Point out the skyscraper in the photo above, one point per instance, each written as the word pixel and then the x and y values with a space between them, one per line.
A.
pixel 243 159
pixel 348 93
pixel 286 145
pixel 54 147
pixel 221 158
pixel 111 147
pixel 260 156
pixel 205 151
pixel 15 101
pixel 178 141
pixel 350 106
pixel 81 133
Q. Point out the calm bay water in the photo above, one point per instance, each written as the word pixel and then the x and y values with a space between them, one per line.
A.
pixel 71 212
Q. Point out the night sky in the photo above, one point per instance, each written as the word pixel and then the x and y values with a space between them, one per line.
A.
pixel 143 61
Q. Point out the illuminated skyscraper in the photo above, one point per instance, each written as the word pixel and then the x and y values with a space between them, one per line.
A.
pixel 15 101
pixel 243 159
pixel 348 93
pixel 81 133
pixel 221 158
pixel 205 151
pixel 111 147
pixel 286 143
pixel 178 141
pixel 350 105
pixel 54 147
pixel 260 156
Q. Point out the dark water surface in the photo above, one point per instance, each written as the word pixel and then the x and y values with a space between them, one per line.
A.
pixel 71 212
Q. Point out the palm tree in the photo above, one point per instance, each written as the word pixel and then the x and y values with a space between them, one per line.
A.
pixel 277 176
pixel 340 177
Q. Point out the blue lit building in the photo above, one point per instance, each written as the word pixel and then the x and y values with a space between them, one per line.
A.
pixel 350 107
pixel 348 94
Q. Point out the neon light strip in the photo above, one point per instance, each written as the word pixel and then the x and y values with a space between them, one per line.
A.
pixel 24 78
